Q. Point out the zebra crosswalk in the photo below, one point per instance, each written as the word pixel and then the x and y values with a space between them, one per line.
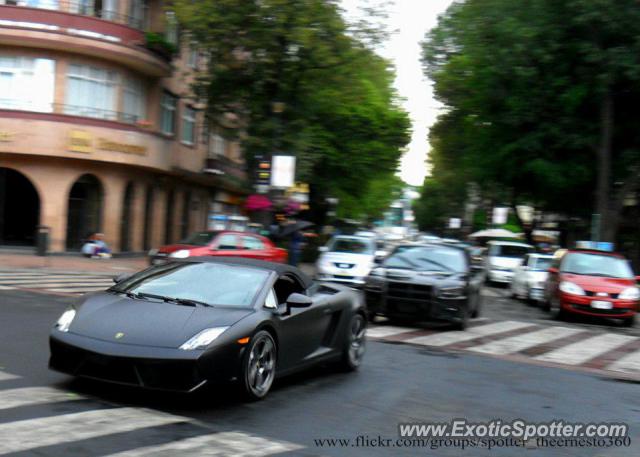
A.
pixel 608 352
pixel 55 282
pixel 67 422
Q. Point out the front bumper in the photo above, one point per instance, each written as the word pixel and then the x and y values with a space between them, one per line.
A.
pixel 342 278
pixel 141 366
pixel 536 294
pixel 414 301
pixel 502 276
pixel 581 304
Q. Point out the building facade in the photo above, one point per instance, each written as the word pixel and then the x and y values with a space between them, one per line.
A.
pixel 99 130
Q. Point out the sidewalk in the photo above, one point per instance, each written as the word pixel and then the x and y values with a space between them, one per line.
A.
pixel 84 265
pixel 71 263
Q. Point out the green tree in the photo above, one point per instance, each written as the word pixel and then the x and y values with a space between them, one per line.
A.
pixel 340 115
pixel 540 99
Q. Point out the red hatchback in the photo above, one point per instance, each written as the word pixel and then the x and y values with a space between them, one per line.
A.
pixel 593 283
pixel 221 243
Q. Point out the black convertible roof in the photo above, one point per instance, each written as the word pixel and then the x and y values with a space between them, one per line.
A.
pixel 279 268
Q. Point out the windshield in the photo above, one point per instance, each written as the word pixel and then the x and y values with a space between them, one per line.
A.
pixel 210 283
pixel 199 238
pixel 581 263
pixel 505 250
pixel 428 258
pixel 540 263
pixel 352 245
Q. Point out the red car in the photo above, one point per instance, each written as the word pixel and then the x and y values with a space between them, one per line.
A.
pixel 221 243
pixel 593 283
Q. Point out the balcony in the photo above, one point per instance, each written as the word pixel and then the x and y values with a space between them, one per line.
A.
pixel 222 165
pixel 68 27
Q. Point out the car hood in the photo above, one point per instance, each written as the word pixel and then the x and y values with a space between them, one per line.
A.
pixel 347 257
pixel 599 283
pixel 146 322
pixel 425 278
pixel 505 262
pixel 176 247
pixel 537 276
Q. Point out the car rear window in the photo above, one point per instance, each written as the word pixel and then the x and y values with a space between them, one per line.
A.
pixel 505 250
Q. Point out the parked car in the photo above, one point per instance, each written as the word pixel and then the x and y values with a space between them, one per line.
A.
pixel 503 257
pixel 593 283
pixel 347 259
pixel 189 323
pixel 529 278
pixel 220 243
pixel 420 282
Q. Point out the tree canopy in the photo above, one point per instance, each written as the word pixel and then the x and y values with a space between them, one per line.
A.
pixel 539 99
pixel 339 114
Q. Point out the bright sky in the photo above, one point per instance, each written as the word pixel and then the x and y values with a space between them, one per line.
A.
pixel 410 20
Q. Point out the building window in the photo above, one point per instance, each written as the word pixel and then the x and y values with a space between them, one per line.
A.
pixel 171 28
pixel 43 4
pixel 91 92
pixel 137 13
pixel 27 83
pixel 188 125
pixel 134 100
pixel 216 146
pixel 168 113
pixel 106 9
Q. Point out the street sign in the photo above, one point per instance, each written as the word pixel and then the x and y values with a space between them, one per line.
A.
pixel 500 216
pixel 455 223
pixel 283 171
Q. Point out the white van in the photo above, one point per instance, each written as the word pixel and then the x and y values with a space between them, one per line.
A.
pixel 503 257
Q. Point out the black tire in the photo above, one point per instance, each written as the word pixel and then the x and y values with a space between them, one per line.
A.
pixel 629 321
pixel 478 308
pixel 259 366
pixel 355 343
pixel 463 322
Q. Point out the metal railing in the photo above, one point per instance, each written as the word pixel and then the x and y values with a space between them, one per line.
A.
pixel 86 8
pixel 74 110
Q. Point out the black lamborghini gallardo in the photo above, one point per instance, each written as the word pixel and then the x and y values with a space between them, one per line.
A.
pixel 184 324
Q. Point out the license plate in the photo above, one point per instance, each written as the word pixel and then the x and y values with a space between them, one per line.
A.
pixel 598 304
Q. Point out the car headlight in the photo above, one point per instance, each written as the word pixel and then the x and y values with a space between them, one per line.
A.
pixel 630 293
pixel 571 288
pixel 180 254
pixel 152 252
pixel 203 339
pixel 64 322
pixel 378 272
pixel 451 292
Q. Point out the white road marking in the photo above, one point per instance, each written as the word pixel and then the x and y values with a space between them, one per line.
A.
pixel 14 398
pixel 73 290
pixel 521 342
pixel 47 431
pixel 585 350
pixel 384 331
pixel 630 363
pixel 446 338
pixel 4 376
pixel 234 444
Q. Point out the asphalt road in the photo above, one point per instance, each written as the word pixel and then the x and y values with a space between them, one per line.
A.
pixel 397 383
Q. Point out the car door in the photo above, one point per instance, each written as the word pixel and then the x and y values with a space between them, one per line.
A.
pixel 226 244
pixel 303 331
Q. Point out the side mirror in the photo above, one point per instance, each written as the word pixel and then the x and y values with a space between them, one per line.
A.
pixel 297 300
pixel 637 278
pixel 121 277
pixel 553 270
pixel 323 249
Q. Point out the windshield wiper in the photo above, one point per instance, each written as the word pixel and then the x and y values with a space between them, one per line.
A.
pixel 189 302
